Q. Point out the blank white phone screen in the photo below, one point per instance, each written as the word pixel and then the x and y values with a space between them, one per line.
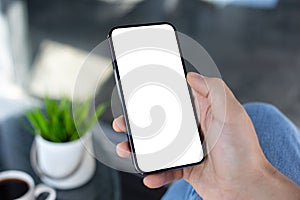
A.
pixel 161 119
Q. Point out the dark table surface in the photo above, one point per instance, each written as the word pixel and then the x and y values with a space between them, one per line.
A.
pixel 15 144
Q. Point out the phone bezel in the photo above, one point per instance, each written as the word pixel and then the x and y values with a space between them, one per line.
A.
pixel 120 92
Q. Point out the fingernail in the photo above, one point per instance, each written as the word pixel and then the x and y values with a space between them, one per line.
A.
pixel 195 75
pixel 193 78
pixel 117 125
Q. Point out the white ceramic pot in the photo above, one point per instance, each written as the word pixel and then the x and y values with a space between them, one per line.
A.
pixel 65 165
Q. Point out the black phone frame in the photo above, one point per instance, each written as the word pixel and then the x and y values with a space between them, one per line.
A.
pixel 124 110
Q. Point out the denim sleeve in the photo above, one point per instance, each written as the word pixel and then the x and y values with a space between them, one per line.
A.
pixel 279 138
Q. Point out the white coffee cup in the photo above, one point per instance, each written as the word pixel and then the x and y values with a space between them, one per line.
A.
pixel 33 191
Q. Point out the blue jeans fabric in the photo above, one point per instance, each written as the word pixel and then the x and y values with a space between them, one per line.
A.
pixel 279 139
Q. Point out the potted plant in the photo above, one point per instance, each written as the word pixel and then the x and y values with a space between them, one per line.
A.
pixel 62 140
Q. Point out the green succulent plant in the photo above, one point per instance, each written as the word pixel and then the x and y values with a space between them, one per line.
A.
pixel 56 123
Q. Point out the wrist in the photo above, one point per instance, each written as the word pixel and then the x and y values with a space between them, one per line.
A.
pixel 269 183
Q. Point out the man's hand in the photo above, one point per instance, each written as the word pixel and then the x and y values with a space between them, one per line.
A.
pixel 236 167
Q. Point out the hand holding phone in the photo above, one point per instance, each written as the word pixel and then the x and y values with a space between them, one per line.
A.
pixel 236 165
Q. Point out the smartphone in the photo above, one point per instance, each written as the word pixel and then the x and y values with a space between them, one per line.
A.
pixel 159 113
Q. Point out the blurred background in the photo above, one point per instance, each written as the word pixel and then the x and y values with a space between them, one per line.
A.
pixel 255 44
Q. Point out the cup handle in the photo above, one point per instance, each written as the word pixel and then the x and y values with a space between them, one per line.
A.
pixel 41 188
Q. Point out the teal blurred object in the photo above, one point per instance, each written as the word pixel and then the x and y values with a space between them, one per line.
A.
pixel 246 3
pixel 256 3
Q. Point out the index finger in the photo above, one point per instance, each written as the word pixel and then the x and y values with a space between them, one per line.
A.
pixel 198 83
pixel 119 124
